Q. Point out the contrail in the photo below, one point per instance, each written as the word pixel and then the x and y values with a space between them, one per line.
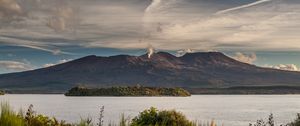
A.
pixel 154 4
pixel 243 6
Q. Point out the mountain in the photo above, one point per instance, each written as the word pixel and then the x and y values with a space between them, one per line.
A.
pixel 192 70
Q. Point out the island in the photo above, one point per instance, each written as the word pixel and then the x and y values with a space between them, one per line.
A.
pixel 128 91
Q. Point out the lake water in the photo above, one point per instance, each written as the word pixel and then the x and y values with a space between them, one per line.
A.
pixel 230 110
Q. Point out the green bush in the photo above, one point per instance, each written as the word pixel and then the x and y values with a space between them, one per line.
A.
pixel 33 119
pixel 296 122
pixel 153 117
pixel 2 92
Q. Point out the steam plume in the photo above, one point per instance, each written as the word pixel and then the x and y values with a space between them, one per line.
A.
pixel 150 51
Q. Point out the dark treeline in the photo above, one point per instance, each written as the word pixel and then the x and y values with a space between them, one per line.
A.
pixel 247 90
pixel 127 91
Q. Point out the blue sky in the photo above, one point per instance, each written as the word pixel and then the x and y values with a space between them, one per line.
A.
pixel 41 33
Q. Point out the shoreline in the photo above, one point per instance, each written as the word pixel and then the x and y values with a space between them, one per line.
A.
pixel 249 90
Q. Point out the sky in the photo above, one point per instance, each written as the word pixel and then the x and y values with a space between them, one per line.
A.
pixel 41 33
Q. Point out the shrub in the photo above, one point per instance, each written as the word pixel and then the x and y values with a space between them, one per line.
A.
pixel 33 119
pixel 153 117
pixel 261 122
pixel 296 122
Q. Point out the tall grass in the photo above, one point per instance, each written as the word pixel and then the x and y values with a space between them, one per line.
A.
pixel 124 121
pixel 85 122
pixel 9 118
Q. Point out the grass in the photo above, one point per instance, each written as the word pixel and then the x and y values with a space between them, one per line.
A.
pixel 9 118
pixel 149 117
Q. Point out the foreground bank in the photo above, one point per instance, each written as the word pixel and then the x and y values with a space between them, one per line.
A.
pixel 148 117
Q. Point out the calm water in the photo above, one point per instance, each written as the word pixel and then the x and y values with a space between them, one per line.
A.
pixel 230 110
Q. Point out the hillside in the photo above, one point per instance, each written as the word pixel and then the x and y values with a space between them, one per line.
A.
pixel 193 70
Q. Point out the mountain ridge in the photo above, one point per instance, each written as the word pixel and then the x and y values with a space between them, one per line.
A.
pixel 162 69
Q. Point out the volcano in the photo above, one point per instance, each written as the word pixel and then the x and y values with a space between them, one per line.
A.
pixel 192 70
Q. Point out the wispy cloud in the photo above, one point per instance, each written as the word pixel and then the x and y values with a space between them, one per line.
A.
pixel 15 65
pixel 30 44
pixel 165 24
pixel 253 29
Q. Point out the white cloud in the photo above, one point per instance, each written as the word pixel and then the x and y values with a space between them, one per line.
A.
pixel 15 65
pixel 59 62
pixel 184 51
pixel 49 65
pixel 287 67
pixel 246 58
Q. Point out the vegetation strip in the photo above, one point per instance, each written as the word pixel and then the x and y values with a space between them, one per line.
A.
pixel 264 90
pixel 127 91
